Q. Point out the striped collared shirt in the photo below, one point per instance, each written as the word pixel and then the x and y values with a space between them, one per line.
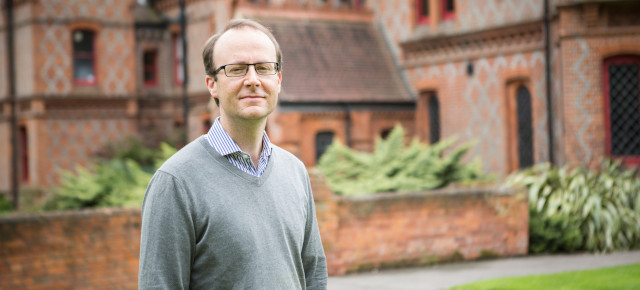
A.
pixel 220 140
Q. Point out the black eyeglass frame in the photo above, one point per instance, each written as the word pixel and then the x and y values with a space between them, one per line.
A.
pixel 247 70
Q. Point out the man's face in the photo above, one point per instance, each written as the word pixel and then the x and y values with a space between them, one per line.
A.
pixel 249 97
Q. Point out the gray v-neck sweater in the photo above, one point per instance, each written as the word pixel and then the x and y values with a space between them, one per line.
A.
pixel 208 225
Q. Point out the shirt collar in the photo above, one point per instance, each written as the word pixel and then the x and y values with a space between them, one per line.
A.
pixel 225 145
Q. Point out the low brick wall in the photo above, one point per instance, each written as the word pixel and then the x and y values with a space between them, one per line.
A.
pixel 89 249
pixel 100 248
pixel 393 230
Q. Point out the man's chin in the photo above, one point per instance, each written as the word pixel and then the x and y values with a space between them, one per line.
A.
pixel 254 113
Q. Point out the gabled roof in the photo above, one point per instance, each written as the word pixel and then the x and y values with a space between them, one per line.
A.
pixel 336 61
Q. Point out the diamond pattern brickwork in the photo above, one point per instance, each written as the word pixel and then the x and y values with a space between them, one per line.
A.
pixel 116 66
pixel 74 141
pixel 54 57
pixel 396 19
pixel 582 95
pixel 480 99
pixel 482 14
pixel 115 60
pixel 105 10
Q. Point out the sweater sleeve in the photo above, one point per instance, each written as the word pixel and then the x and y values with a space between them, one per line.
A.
pixel 167 236
pixel 313 258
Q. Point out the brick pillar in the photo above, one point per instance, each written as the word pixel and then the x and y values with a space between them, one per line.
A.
pixel 361 137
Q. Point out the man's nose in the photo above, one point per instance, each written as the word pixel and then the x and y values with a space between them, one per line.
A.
pixel 252 76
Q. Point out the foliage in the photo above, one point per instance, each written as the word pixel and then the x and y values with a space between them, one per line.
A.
pixel 121 181
pixel 5 205
pixel 131 147
pixel 582 209
pixel 394 166
pixel 620 277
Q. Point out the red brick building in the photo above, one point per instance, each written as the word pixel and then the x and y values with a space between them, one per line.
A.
pixel 89 72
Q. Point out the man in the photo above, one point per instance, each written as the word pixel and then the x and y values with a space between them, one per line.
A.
pixel 231 210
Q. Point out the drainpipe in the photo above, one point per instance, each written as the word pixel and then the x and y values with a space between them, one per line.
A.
pixel 185 77
pixel 13 103
pixel 347 124
pixel 547 56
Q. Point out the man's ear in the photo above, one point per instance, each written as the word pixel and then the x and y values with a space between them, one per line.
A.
pixel 279 81
pixel 212 86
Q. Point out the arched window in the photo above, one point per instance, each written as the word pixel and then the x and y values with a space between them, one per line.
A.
pixel 622 107
pixel 434 119
pixel 525 127
pixel 84 72
pixel 323 140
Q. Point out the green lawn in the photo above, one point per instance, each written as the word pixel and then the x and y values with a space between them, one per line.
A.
pixel 621 277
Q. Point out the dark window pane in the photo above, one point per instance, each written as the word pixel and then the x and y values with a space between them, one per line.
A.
pixel 82 41
pixel 149 62
pixel 149 76
pixel 385 133
pixel 83 69
pixel 624 109
pixel 434 119
pixel 525 127
pixel 83 56
pixel 449 6
pixel 424 8
pixel 323 140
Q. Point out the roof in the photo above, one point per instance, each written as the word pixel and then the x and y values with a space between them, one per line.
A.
pixel 336 61
pixel 145 14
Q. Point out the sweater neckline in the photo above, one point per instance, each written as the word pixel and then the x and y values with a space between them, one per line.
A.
pixel 220 159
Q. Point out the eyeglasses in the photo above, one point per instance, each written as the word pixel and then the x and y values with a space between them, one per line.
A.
pixel 241 69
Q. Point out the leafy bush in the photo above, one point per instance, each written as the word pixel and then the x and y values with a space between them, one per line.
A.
pixel 131 147
pixel 582 209
pixel 116 182
pixel 393 166
pixel 5 205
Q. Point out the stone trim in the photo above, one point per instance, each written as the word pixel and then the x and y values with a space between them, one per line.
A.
pixel 478 44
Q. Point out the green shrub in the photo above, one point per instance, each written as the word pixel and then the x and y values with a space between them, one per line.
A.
pixel 133 148
pixel 582 209
pixel 394 166
pixel 5 205
pixel 117 182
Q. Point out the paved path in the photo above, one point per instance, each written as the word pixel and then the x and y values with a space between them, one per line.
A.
pixel 447 275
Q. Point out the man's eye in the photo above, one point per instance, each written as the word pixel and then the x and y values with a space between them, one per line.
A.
pixel 236 69
pixel 262 67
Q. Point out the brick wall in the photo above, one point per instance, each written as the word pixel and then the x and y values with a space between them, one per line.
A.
pixel 96 249
pixel 392 230
pixel 100 248
pixel 586 41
